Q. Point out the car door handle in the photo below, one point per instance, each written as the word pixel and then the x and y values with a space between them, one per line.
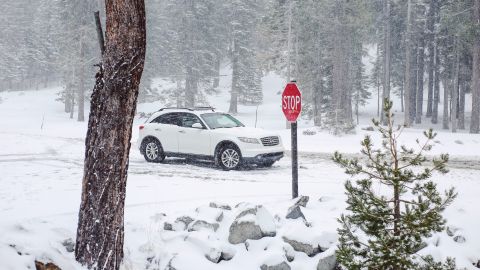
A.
pixel 158 129
pixel 181 131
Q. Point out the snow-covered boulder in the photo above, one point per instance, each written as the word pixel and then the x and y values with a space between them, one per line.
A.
pixel 328 260
pixel 199 225
pixel 221 206
pixel 308 240
pixel 280 266
pixel 181 223
pixel 295 213
pixel 252 223
pixel 302 201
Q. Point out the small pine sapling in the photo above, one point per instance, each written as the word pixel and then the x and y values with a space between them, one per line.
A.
pixel 393 205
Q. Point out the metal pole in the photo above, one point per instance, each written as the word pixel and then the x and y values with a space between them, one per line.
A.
pixel 294 161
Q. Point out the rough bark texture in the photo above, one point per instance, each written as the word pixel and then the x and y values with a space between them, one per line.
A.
pixel 454 107
pixel 235 78
pixel 431 55
pixel 408 64
pixel 436 84
pixel 475 120
pixel 100 232
pixel 387 41
pixel 420 73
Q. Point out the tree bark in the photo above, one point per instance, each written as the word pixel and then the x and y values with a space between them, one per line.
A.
pixel 100 233
pixel 408 64
pixel 431 55
pixel 461 101
pixel 446 89
pixel 454 107
pixel 475 119
pixel 387 41
pixel 420 74
pixel 235 80
pixel 436 84
pixel 81 84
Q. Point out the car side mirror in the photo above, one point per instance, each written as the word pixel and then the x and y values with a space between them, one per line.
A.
pixel 197 125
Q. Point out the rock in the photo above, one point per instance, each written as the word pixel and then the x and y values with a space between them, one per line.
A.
pixel 181 223
pixel 459 239
pixel 69 244
pixel 302 201
pixel 295 212
pixel 370 128
pixel 281 266
pixel 221 206
pixel 241 231
pixel 167 226
pixel 327 263
pixel 227 255
pixel 303 247
pixel 289 252
pixel 186 220
pixel 219 218
pixel 214 255
pixel 251 223
pixel 202 224
pixel 48 266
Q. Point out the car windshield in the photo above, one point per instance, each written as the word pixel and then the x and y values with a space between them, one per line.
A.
pixel 221 120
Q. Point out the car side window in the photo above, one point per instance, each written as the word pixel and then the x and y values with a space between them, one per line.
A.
pixel 168 119
pixel 188 119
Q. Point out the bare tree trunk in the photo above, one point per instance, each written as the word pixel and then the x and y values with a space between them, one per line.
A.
pixel 387 43
pixel 408 68
pixel 420 74
pixel 461 102
pixel 235 77
pixel 81 84
pixel 216 80
pixel 475 119
pixel 100 233
pixel 446 89
pixel 436 85
pixel 454 107
pixel 431 55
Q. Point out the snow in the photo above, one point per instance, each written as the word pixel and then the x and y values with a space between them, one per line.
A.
pixel 41 167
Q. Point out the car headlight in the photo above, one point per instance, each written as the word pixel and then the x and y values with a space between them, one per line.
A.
pixel 248 140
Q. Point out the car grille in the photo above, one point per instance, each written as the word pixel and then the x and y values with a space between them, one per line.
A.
pixel 270 141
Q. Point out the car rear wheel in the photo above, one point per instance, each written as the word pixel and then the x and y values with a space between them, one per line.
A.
pixel 152 150
pixel 229 158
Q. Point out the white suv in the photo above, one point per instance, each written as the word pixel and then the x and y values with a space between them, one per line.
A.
pixel 206 134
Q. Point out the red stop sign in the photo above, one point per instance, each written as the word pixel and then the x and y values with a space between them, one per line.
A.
pixel 291 102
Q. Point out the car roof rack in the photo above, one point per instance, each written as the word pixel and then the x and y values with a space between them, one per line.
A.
pixel 201 108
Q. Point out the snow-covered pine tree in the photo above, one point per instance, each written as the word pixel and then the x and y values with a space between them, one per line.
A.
pixel 393 205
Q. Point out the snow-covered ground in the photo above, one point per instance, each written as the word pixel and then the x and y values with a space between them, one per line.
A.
pixel 41 164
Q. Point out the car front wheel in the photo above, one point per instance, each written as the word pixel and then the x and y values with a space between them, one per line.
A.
pixel 153 151
pixel 229 158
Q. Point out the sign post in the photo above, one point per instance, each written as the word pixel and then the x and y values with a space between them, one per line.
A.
pixel 291 107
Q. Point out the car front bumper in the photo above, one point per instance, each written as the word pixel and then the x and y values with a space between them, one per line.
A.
pixel 262 158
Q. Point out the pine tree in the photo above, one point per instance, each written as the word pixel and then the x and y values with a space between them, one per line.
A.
pixel 386 230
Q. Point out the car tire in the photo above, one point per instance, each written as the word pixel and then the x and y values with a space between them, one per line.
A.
pixel 152 150
pixel 229 157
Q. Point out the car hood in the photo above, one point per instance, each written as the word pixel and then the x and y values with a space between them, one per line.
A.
pixel 245 132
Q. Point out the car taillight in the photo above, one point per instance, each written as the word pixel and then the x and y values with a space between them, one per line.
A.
pixel 141 127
